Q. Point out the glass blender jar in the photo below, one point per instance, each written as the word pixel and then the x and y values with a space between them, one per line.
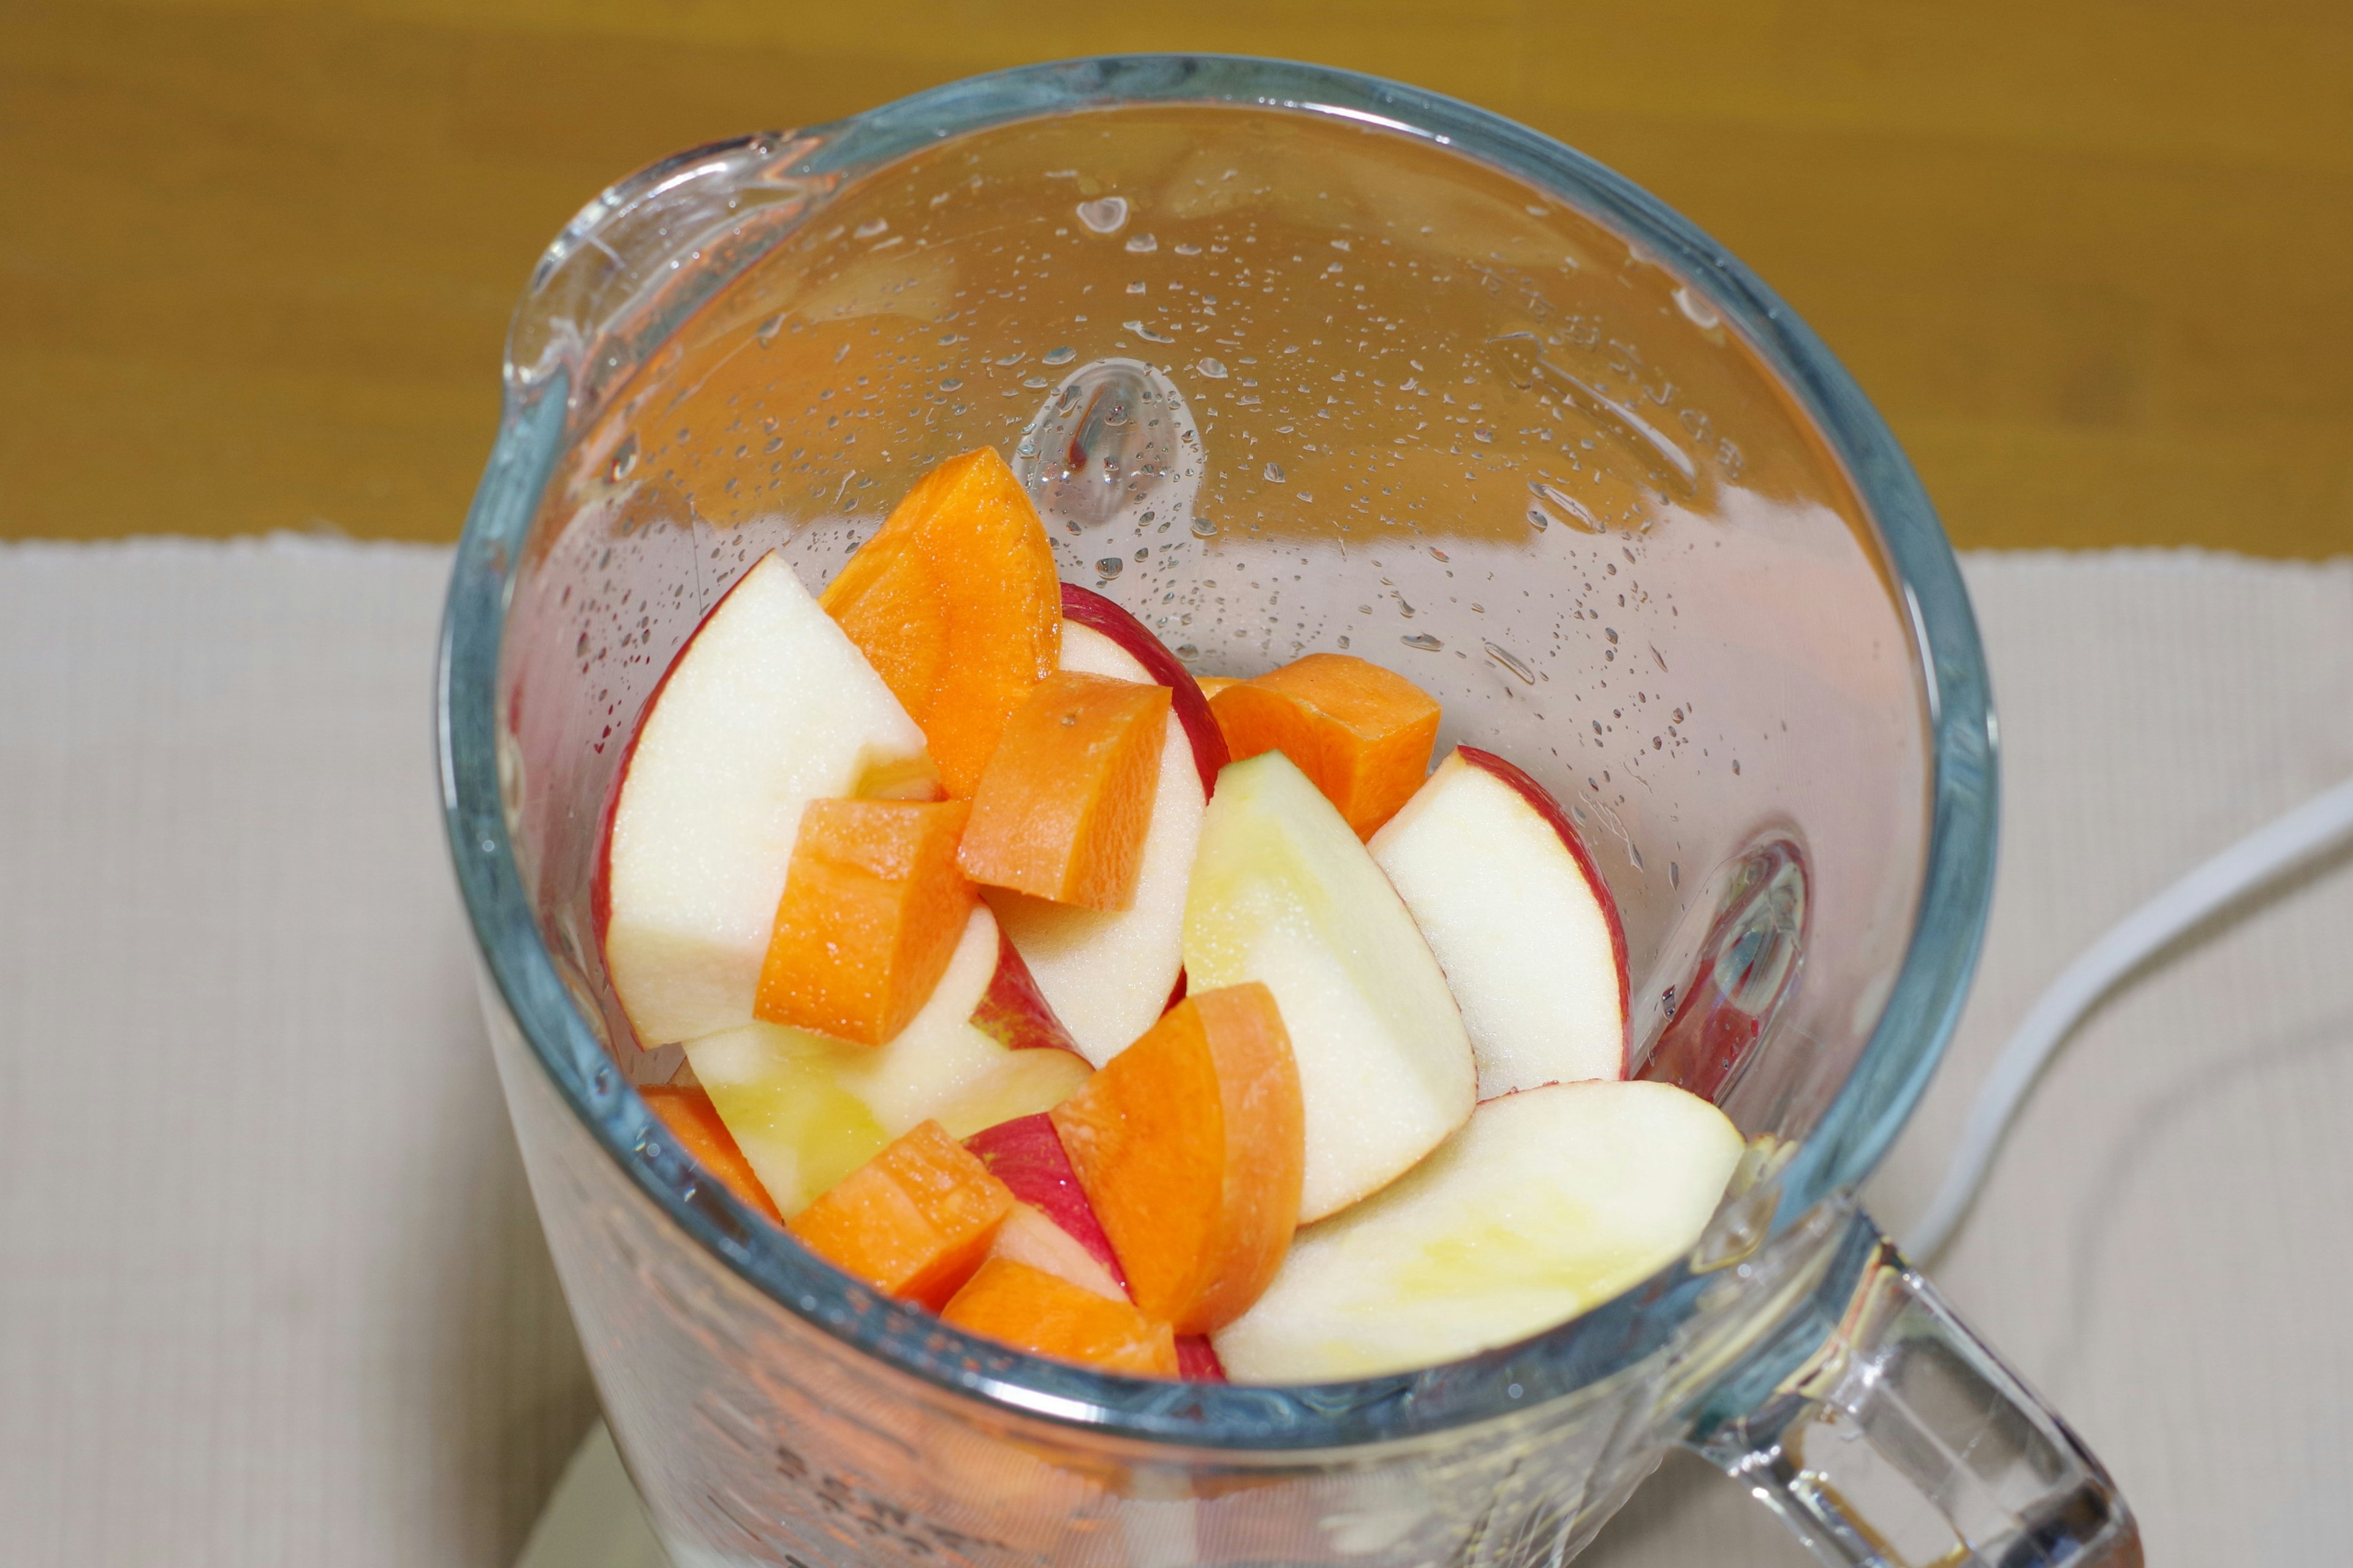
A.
pixel 1292 360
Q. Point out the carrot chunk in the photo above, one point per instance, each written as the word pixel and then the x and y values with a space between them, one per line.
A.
pixel 913 1222
pixel 1062 809
pixel 955 603
pixel 1362 734
pixel 1211 685
pixel 1190 1145
pixel 694 1121
pixel 873 909
pixel 1043 1314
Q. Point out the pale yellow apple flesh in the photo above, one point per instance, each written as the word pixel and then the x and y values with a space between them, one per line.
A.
pixel 1524 937
pixel 1283 892
pixel 768 708
pixel 1550 1203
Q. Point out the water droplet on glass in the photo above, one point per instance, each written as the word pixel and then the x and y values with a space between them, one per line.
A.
pixel 1105 215
pixel 1188 652
pixel 768 329
pixel 1701 314
pixel 1058 356
pixel 1109 565
pixel 1558 503
pixel 1204 528
pixel 1274 473
pixel 1423 641
pixel 1141 244
pixel 1213 369
pixel 625 457
pixel 1146 334
pixel 580 648
pixel 1188 250
pixel 1484 433
pixel 604 1081
pixel 1504 658
pixel 870 230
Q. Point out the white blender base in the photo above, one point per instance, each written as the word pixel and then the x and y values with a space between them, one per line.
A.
pixel 593 1519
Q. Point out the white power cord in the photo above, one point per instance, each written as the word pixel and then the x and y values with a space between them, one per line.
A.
pixel 2279 846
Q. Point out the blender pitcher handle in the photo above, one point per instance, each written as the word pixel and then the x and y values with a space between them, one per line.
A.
pixel 1903 1440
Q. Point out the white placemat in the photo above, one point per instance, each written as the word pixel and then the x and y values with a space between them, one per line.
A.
pixel 251 1315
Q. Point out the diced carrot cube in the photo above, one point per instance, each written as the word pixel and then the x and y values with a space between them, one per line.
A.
pixel 873 909
pixel 1190 1146
pixel 1360 732
pixel 913 1222
pixel 955 602
pixel 1062 809
pixel 1031 1309
pixel 694 1121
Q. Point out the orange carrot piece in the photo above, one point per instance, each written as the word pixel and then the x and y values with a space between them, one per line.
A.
pixel 1211 685
pixel 1031 1309
pixel 1062 809
pixel 1190 1145
pixel 1362 734
pixel 955 603
pixel 913 1222
pixel 873 909
pixel 694 1121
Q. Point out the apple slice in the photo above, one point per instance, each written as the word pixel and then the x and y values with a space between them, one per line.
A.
pixel 807 1110
pixel 1026 1154
pixel 1507 897
pixel 1283 892
pixel 1109 975
pixel 1551 1202
pixel 1029 1237
pixel 766 708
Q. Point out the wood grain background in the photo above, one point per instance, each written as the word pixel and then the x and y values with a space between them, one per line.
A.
pixel 2090 256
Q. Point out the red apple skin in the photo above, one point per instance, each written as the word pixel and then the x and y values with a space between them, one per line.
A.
pixel 1093 611
pixel 1026 1154
pixel 1196 1360
pixel 1540 797
pixel 1013 1012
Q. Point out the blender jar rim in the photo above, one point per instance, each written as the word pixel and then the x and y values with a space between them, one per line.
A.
pixel 541 414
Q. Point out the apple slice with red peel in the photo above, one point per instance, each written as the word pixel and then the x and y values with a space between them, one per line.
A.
pixel 1550 1203
pixel 1508 897
pixel 768 707
pixel 1108 974
pixel 1149 659
pixel 1029 1237
pixel 1026 1154
pixel 807 1110
pixel 1283 892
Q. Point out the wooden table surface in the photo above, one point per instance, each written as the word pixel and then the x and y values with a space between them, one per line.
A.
pixel 2089 257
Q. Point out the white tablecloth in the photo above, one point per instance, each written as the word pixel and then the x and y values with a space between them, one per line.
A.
pixel 270 1289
